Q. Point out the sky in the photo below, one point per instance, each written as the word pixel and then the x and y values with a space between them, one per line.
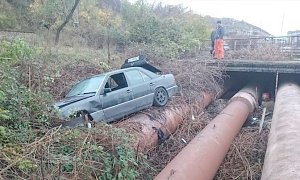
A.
pixel 274 16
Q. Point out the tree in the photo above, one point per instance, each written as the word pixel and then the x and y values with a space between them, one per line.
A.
pixel 110 22
pixel 59 29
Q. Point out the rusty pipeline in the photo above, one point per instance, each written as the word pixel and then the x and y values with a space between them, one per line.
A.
pixel 282 159
pixel 154 131
pixel 201 158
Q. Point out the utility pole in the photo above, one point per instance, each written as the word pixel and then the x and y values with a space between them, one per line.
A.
pixel 282 23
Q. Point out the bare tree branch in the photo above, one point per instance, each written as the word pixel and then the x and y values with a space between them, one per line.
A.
pixel 65 22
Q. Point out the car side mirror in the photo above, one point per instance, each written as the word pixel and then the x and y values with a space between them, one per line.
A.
pixel 107 90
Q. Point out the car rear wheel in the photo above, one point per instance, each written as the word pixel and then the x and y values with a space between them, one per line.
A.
pixel 160 97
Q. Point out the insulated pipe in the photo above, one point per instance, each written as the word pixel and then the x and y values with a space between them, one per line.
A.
pixel 282 159
pixel 172 117
pixel 201 158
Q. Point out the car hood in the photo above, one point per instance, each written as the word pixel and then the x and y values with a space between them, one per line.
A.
pixel 69 100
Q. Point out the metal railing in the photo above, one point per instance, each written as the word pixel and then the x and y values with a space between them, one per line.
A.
pixel 288 45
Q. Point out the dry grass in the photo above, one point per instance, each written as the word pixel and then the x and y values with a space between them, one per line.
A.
pixel 193 78
pixel 268 52
pixel 246 155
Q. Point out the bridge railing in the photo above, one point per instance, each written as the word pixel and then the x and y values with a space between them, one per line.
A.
pixel 287 45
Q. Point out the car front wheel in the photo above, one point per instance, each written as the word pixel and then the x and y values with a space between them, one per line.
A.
pixel 160 97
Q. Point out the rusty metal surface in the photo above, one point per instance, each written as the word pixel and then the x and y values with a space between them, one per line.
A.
pixel 173 117
pixel 201 158
pixel 282 159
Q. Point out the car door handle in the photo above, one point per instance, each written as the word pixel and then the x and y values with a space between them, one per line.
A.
pixel 151 84
pixel 129 91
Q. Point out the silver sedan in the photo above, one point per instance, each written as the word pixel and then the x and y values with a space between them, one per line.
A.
pixel 113 95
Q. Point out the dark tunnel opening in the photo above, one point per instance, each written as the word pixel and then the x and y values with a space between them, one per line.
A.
pixel 265 82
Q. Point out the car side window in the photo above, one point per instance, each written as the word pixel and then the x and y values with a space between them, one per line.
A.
pixel 145 77
pixel 116 81
pixel 135 77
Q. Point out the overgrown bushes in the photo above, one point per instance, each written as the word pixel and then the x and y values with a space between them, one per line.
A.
pixel 160 33
pixel 100 153
pixel 21 109
pixel 30 148
pixel 7 21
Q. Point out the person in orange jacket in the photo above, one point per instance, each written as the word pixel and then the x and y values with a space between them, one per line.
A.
pixel 218 41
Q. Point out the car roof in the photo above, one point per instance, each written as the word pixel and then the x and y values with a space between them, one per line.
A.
pixel 121 70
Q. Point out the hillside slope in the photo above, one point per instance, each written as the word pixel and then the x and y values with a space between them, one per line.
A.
pixel 235 28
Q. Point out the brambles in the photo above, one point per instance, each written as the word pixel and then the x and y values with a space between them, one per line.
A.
pixel 30 150
pixel 103 152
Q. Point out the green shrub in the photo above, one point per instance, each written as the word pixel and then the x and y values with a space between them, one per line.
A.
pixel 164 36
pixel 7 21
pixel 20 108
pixel 27 166
pixel 104 151
pixel 3 136
pixel 13 52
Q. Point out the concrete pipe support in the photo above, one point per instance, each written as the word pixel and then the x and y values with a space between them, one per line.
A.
pixel 201 158
pixel 282 159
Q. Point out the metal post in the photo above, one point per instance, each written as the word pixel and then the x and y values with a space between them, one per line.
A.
pixel 276 83
pixel 235 45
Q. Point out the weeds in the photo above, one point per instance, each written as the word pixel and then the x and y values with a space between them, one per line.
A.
pixel 100 153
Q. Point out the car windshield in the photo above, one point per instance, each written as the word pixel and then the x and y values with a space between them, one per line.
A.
pixel 87 86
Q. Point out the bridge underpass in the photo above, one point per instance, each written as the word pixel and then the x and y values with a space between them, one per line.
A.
pixel 267 75
pixel 281 79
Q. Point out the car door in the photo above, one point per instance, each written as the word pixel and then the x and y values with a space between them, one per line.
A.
pixel 119 101
pixel 140 83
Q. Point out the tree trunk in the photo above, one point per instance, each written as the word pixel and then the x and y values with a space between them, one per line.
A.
pixel 65 22
pixel 108 45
